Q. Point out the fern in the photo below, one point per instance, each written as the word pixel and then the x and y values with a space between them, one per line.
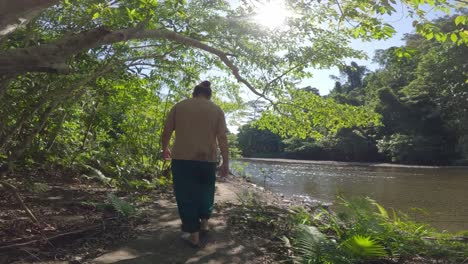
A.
pixel 310 244
pixel 363 247
pixel 38 187
pixel 122 207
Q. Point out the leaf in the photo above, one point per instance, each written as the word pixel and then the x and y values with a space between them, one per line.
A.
pixel 95 16
pixel 122 207
pixel 364 247
pixel 441 37
pixel 39 187
pixel 430 35
pixel 453 37
pixel 381 209
pixel 309 243
pixel 460 20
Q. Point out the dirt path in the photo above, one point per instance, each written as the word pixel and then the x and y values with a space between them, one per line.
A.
pixel 159 241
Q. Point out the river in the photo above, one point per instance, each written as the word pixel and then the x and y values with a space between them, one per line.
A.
pixel 441 192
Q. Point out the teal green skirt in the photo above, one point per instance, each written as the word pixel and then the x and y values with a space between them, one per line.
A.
pixel 194 188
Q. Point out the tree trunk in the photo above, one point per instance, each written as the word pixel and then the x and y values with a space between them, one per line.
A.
pixel 56 132
pixel 25 117
pixel 90 125
pixel 19 150
pixel 15 13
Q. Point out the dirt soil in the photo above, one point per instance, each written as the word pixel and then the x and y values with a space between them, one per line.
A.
pixel 78 232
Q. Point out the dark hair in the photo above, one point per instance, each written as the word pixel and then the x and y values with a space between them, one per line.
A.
pixel 204 88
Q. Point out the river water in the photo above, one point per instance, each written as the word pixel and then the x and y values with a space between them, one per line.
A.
pixel 441 193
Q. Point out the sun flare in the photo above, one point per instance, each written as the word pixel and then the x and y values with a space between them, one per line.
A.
pixel 272 15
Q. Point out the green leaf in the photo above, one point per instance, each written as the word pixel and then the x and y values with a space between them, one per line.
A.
pixel 364 247
pixel 309 243
pixel 430 36
pixel 441 37
pixel 95 16
pixel 460 20
pixel 453 37
pixel 381 209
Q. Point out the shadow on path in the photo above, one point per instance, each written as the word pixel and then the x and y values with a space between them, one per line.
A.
pixel 159 241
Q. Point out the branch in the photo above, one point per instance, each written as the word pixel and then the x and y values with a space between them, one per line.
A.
pixel 18 198
pixel 100 227
pixel 170 35
pixel 15 13
pixel 52 57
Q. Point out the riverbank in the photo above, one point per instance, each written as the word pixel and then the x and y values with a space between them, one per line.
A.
pixel 254 225
pixel 249 225
pixel 430 195
pixel 344 163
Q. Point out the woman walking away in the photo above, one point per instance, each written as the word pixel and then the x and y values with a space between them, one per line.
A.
pixel 199 126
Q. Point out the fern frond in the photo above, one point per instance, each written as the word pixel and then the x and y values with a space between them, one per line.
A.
pixel 309 243
pixel 122 207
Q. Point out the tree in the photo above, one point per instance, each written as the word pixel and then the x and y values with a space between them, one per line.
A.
pixel 421 99
pixel 58 53
pixel 350 92
pixel 256 142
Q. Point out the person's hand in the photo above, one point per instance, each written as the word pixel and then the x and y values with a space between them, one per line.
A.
pixel 166 154
pixel 224 171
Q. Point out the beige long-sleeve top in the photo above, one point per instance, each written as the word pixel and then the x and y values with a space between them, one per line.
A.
pixel 197 123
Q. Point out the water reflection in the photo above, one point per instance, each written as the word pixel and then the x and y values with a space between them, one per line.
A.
pixel 442 192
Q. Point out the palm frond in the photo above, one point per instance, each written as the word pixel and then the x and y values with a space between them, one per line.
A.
pixel 363 247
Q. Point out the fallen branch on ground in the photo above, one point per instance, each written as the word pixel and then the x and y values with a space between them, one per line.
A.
pixel 55 237
pixel 15 192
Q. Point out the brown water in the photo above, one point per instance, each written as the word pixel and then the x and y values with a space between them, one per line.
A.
pixel 441 192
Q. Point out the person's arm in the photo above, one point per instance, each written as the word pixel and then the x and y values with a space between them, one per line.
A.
pixel 169 126
pixel 223 145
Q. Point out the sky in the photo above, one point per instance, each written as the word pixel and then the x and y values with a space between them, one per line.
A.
pixel 321 78
pixel 402 25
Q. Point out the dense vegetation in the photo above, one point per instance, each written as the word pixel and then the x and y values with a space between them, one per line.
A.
pixel 357 231
pixel 85 86
pixel 422 101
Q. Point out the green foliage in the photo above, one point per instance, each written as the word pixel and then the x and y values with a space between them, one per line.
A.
pixel 364 230
pixel 253 141
pixel 311 245
pixel 412 110
pixel 364 247
pixel 38 187
pixel 238 169
pixel 122 207
pixel 300 216
pixel 409 149
pixel 312 116
pixel 346 145
pixel 234 151
pixel 103 101
pixel 249 199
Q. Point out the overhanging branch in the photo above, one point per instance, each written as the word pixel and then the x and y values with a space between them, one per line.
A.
pixel 14 13
pixel 52 57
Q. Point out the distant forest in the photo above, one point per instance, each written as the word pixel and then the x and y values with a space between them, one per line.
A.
pixel 421 94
